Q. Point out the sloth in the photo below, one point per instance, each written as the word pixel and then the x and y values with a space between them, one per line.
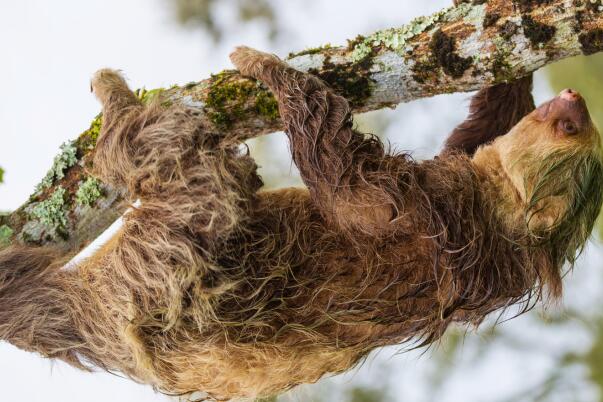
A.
pixel 216 285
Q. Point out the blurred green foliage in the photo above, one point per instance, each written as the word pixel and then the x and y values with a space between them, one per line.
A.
pixel 594 357
pixel 272 399
pixel 365 394
pixel 1 175
pixel 202 13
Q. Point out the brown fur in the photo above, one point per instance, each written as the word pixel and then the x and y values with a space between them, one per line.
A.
pixel 492 113
pixel 216 286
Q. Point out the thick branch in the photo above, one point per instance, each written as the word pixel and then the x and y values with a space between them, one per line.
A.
pixel 458 49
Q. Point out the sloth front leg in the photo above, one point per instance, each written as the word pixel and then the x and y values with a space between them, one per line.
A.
pixel 349 175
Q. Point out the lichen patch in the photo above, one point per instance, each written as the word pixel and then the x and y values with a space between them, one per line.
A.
pixel 88 192
pixel 398 39
pixel 52 213
pixel 63 161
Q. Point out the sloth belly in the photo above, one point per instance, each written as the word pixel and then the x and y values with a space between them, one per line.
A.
pixel 310 305
pixel 299 280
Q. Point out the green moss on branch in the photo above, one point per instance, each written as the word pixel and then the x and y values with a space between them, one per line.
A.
pixel 6 234
pixel 266 105
pixel 231 99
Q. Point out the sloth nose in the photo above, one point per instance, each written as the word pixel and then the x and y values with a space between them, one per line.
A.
pixel 570 95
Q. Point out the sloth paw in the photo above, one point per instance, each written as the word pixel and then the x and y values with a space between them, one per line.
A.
pixel 251 62
pixel 104 81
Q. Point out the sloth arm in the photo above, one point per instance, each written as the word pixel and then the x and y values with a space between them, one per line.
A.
pixel 351 179
pixel 493 112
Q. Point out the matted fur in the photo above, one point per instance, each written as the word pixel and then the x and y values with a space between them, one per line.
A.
pixel 215 286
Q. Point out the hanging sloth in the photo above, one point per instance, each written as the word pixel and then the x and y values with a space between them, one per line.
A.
pixel 215 285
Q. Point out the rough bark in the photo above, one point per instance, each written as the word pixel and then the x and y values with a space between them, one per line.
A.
pixel 462 48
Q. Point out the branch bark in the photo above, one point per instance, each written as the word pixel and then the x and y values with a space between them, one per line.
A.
pixel 458 49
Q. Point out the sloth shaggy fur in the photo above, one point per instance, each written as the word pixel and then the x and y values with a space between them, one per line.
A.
pixel 214 285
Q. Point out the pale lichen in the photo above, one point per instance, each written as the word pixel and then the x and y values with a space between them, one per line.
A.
pixel 52 212
pixel 88 192
pixel 63 161
pixel 475 15
pixel 396 39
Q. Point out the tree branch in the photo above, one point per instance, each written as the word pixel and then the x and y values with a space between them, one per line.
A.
pixel 458 49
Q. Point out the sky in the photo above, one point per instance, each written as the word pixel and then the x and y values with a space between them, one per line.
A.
pixel 49 50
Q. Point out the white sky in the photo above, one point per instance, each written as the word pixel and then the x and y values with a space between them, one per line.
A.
pixel 48 51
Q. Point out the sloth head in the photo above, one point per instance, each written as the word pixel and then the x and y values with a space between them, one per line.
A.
pixel 551 163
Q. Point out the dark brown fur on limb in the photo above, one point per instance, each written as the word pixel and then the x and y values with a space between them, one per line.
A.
pixel 492 113
pixel 213 285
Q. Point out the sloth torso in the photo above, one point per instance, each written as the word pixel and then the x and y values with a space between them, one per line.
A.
pixel 290 294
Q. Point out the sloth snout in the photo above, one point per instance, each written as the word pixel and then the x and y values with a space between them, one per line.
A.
pixel 570 95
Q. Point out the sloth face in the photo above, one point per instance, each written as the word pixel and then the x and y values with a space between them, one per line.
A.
pixel 553 159
pixel 566 115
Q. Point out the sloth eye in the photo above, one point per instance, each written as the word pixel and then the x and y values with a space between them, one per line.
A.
pixel 568 127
